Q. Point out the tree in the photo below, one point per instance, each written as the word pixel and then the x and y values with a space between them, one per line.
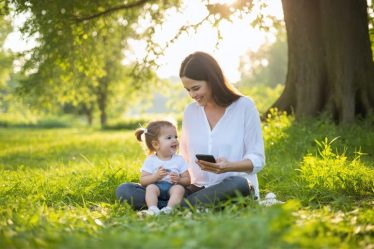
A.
pixel 78 57
pixel 330 65
pixel 6 58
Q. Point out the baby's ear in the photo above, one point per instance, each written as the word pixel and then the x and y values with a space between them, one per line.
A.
pixel 155 144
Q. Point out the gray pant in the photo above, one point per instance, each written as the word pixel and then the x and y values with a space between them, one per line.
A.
pixel 134 193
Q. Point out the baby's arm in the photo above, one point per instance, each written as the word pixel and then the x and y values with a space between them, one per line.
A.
pixel 182 179
pixel 147 178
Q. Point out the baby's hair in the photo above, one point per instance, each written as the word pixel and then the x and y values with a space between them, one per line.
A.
pixel 151 133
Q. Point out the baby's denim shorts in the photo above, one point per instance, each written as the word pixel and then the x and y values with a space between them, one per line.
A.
pixel 164 190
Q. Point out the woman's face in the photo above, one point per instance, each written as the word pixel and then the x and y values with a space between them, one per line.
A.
pixel 198 90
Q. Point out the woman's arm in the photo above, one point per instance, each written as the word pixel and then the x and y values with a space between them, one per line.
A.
pixel 253 140
pixel 223 166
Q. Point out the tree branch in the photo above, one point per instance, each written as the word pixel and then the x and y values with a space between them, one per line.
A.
pixel 113 9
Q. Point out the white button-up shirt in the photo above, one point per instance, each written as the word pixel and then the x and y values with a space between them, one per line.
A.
pixel 236 136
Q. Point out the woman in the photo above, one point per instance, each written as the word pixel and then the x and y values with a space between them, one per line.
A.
pixel 220 122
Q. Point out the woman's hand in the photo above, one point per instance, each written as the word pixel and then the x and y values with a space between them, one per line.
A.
pixel 221 166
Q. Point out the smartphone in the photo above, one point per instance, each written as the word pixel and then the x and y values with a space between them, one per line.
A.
pixel 207 158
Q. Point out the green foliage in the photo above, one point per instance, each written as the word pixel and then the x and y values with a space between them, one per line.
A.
pixel 276 123
pixel 178 98
pixel 14 112
pixel 226 11
pixel 268 65
pixel 333 174
pixel 263 95
pixel 78 57
pixel 6 58
pixel 29 119
pixel 331 229
pixel 288 143
pixel 132 123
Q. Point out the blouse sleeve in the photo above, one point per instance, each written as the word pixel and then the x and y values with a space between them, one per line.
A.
pixel 253 140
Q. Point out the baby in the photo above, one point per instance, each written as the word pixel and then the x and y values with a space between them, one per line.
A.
pixel 163 173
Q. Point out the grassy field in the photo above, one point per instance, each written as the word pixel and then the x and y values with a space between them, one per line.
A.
pixel 57 191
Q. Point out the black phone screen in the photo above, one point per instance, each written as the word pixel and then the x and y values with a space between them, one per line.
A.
pixel 207 158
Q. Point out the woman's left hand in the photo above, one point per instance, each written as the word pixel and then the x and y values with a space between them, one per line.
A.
pixel 221 166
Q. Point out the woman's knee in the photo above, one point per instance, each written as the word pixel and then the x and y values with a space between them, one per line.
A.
pixel 240 184
pixel 133 194
pixel 126 191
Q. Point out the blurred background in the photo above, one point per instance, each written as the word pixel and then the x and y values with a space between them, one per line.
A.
pixel 105 63
pixel 109 70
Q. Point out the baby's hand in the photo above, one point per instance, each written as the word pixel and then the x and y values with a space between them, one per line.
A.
pixel 174 177
pixel 161 173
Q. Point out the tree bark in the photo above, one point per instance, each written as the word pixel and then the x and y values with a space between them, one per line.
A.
pixel 102 97
pixel 88 111
pixel 330 66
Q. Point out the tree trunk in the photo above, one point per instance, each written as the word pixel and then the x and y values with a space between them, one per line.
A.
pixel 330 66
pixel 88 111
pixel 102 97
pixel 89 118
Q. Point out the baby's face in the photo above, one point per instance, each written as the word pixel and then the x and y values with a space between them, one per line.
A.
pixel 168 141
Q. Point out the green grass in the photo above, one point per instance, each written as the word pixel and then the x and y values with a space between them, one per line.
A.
pixel 57 191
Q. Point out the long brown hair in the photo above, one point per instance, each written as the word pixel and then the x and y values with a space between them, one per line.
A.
pixel 151 133
pixel 202 66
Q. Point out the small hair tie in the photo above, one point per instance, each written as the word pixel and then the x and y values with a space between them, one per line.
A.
pixel 145 130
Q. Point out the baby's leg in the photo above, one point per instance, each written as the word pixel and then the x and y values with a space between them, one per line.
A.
pixel 151 195
pixel 176 193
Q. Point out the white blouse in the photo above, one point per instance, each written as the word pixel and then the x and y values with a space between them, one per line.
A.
pixel 235 137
